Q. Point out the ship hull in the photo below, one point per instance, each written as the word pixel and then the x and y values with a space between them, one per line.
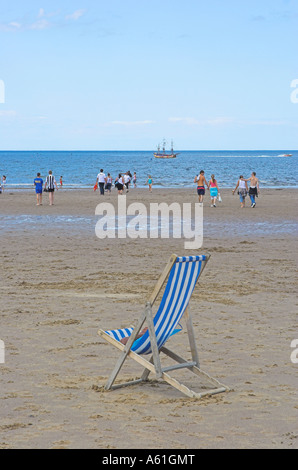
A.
pixel 167 156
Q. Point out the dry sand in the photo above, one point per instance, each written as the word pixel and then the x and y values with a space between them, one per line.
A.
pixel 60 284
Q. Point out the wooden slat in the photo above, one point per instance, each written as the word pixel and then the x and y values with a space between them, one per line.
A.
pixel 162 279
pixel 125 351
pixel 191 337
pixel 153 340
pixel 182 365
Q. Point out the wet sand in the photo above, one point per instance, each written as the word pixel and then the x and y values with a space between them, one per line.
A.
pixel 60 284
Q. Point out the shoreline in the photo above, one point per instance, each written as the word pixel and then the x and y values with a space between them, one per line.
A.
pixel 30 188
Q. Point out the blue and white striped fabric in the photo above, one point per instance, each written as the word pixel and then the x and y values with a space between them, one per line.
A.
pixel 181 282
pixel 119 334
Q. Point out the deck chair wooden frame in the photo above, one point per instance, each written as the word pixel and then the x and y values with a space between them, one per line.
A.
pixel 154 364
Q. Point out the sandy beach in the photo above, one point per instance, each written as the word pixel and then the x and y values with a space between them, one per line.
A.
pixel 60 284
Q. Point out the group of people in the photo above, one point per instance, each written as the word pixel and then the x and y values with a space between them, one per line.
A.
pixel 49 186
pixel 201 181
pixel 253 190
pixel 122 182
pixel 103 183
pixel 241 185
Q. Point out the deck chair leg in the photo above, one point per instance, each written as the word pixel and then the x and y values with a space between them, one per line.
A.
pixel 153 341
pixel 146 372
pixel 125 352
pixel 218 387
pixel 191 337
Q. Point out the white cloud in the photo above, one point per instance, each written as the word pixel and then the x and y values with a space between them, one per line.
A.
pixel 12 26
pixel 131 123
pixel 222 121
pixel 219 121
pixel 8 113
pixel 39 24
pixel 268 122
pixel 75 15
pixel 42 21
pixel 15 24
pixel 187 120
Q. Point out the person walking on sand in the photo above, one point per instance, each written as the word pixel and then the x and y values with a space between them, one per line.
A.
pixel 38 183
pixel 214 190
pixel 108 183
pixel 101 180
pixel 200 180
pixel 127 179
pixel 3 182
pixel 134 179
pixel 51 184
pixel 119 183
pixel 242 191
pixel 150 183
pixel 254 188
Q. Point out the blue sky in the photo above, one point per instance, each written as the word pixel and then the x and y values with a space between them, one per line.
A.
pixel 111 75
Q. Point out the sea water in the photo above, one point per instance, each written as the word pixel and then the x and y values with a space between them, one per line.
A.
pixel 80 168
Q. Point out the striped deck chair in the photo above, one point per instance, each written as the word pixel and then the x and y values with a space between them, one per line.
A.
pixel 181 274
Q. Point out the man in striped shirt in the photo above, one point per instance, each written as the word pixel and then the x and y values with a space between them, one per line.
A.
pixel 51 184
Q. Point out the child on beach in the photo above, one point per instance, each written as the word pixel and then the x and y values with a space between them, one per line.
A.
pixel 108 183
pixel 3 183
pixel 150 183
pixel 61 181
pixel 38 183
pixel 214 190
pixel 134 179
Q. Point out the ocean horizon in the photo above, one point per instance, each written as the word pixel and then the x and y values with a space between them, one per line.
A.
pixel 80 168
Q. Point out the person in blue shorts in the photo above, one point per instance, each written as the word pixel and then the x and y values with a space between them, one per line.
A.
pixel 200 180
pixel 38 183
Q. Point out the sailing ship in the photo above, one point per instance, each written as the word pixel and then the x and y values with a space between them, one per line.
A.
pixel 163 153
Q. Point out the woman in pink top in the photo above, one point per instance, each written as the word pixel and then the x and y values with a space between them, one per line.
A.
pixel 214 190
